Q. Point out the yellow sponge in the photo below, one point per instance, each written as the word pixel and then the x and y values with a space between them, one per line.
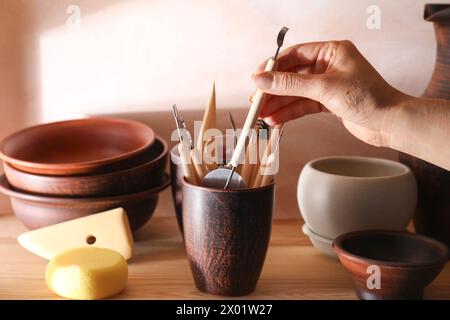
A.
pixel 87 273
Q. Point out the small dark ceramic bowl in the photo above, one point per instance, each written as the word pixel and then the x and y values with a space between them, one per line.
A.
pixel 146 171
pixel 390 264
pixel 39 211
pixel 76 147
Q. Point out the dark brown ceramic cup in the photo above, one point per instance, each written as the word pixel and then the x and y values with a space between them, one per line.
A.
pixel 226 234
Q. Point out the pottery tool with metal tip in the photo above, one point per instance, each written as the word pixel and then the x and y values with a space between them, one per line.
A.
pixel 249 124
pixel 189 141
pixel 184 149
pixel 224 147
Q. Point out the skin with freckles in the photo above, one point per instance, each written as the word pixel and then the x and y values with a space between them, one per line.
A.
pixel 335 77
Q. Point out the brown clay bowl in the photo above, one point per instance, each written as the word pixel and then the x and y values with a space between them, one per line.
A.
pixel 146 171
pixel 76 147
pixel 390 264
pixel 38 211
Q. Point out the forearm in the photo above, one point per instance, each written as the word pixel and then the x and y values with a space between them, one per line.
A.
pixel 421 127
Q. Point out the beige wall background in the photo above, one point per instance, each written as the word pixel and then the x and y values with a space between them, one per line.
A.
pixel 136 58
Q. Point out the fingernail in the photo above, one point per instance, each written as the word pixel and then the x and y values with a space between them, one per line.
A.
pixel 263 80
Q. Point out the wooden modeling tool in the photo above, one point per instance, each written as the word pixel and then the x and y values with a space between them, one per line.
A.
pixel 250 161
pixel 199 165
pixel 209 118
pixel 262 175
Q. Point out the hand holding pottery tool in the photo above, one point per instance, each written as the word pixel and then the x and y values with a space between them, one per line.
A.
pixel 227 176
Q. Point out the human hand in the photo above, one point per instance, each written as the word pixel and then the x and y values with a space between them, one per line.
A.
pixel 329 76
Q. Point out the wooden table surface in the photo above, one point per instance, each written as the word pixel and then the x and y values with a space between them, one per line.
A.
pixel 160 270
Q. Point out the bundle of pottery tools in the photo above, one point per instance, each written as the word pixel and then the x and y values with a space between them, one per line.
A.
pixel 254 157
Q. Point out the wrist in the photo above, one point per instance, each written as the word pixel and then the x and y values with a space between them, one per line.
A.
pixel 390 130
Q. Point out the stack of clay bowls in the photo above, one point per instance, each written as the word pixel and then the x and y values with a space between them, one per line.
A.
pixel 66 170
pixel 340 194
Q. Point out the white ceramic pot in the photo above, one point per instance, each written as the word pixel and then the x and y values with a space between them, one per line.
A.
pixel 337 195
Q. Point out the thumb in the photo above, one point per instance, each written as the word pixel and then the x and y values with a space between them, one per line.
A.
pixel 291 84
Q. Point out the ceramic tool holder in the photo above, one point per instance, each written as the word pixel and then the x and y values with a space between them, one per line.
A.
pixel 226 234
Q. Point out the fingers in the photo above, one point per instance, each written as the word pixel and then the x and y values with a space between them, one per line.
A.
pixel 301 54
pixel 297 69
pixel 292 84
pixel 260 68
pixel 293 111
pixel 274 103
pixel 264 99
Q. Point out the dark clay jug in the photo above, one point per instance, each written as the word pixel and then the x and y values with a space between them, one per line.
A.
pixel 432 217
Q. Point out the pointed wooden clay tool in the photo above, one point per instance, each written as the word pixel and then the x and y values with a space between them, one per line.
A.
pixel 209 118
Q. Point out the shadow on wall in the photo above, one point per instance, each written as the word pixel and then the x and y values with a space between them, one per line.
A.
pixel 304 139
pixel 17 42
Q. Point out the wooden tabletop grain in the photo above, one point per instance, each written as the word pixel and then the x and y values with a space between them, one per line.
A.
pixel 293 268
